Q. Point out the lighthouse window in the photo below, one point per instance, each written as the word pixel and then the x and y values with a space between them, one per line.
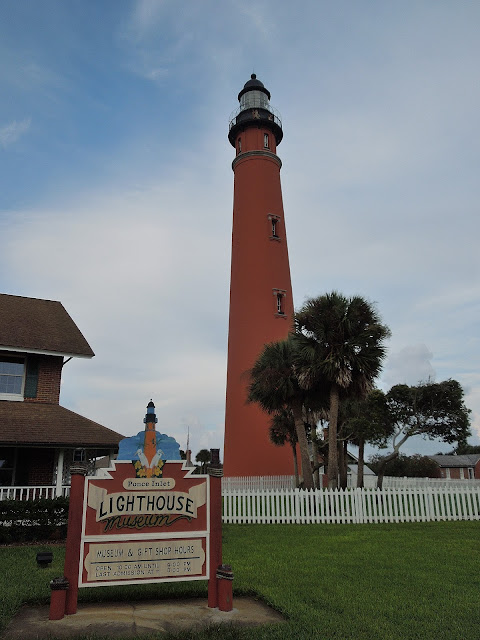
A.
pixel 252 99
pixel 11 378
pixel 279 302
pixel 274 226
pixel 265 141
pixel 239 145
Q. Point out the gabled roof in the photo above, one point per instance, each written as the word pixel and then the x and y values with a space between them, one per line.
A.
pixel 469 460
pixel 39 326
pixel 366 469
pixel 38 424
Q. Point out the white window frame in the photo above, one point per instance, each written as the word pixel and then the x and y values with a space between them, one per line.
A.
pixel 266 141
pixel 16 397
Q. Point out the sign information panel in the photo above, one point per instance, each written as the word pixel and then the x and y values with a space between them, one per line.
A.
pixel 145 529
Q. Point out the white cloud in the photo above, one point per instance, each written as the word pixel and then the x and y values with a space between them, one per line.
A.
pixel 145 277
pixel 410 365
pixel 379 183
pixel 10 133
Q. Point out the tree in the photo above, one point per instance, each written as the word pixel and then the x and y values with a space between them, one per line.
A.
pixel 282 431
pixel 433 410
pixel 274 385
pixel 463 449
pixel 204 457
pixel 367 420
pixel 415 466
pixel 340 339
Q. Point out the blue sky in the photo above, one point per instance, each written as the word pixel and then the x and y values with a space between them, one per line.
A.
pixel 117 187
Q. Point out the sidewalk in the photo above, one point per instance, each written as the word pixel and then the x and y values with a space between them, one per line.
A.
pixel 136 619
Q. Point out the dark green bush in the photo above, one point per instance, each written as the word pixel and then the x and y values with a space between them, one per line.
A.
pixel 33 520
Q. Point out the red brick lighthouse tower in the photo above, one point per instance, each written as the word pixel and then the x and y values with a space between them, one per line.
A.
pixel 261 305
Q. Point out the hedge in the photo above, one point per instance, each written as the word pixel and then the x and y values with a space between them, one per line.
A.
pixel 33 520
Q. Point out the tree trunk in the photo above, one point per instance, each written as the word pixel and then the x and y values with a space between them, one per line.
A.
pixel 316 473
pixel 303 444
pixel 361 457
pixel 332 438
pixel 295 465
pixel 342 465
pixel 381 468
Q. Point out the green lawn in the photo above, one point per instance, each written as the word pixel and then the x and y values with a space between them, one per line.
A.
pixel 373 582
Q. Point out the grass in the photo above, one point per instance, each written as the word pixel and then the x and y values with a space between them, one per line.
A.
pixel 365 582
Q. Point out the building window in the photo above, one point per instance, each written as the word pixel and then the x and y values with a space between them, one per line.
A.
pixel 12 375
pixel 471 474
pixel 274 226
pixel 266 143
pixel 7 466
pixel 239 145
pixel 79 455
pixel 280 302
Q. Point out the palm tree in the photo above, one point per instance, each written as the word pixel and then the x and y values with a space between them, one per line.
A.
pixel 274 386
pixel 282 430
pixel 341 339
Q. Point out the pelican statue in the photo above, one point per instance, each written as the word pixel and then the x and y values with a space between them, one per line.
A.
pixel 158 456
pixel 142 457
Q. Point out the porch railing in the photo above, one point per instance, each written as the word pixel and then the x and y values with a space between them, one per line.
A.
pixel 33 493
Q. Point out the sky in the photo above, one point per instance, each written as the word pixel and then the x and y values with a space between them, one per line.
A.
pixel 117 188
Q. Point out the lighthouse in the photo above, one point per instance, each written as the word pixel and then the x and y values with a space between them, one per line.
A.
pixel 261 305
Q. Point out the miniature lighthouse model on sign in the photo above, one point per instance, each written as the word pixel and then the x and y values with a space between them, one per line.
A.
pixel 150 457
pixel 261 305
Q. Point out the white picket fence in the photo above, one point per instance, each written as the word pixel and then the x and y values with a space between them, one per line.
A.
pixel 257 483
pixel 32 493
pixel 399 483
pixel 262 483
pixel 351 506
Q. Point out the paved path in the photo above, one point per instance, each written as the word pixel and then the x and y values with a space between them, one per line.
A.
pixel 135 619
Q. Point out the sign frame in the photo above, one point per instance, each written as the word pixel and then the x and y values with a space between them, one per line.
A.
pixel 88 541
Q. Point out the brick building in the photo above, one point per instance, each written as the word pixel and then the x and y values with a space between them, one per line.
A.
pixel 39 439
pixel 462 467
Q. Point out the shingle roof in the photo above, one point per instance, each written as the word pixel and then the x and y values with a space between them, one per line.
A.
pixel 39 325
pixel 469 460
pixel 34 423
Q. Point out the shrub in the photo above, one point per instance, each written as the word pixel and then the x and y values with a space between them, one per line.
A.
pixel 33 520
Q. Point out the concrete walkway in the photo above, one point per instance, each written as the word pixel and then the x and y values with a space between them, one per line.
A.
pixel 135 619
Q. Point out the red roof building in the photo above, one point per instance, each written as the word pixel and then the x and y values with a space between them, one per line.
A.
pixel 39 439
